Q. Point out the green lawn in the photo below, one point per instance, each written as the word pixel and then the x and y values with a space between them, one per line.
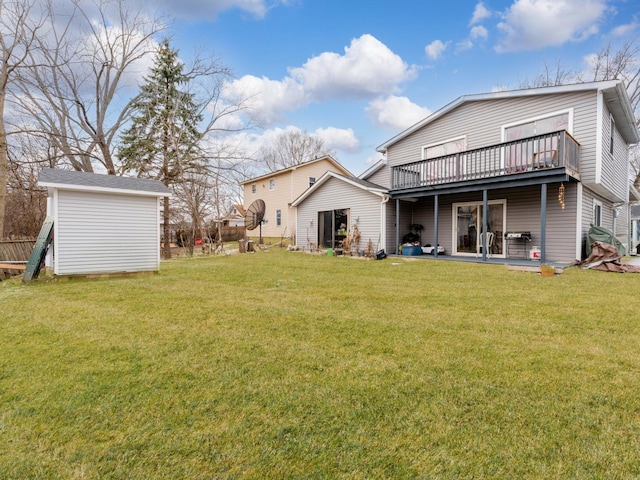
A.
pixel 287 365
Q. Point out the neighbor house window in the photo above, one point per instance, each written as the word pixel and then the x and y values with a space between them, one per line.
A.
pixel 253 188
pixel 278 217
pixel 597 213
pixel 272 184
pixel 312 180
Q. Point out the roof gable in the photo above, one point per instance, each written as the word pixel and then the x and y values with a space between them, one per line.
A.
pixel 373 169
pixel 74 180
pixel 328 158
pixel 354 181
pixel 613 90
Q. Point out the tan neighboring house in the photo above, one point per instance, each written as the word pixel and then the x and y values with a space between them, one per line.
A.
pixel 278 189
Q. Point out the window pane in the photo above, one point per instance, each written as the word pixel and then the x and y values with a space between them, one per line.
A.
pixel 552 124
pixel 519 131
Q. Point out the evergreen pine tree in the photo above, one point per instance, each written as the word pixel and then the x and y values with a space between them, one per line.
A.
pixel 162 141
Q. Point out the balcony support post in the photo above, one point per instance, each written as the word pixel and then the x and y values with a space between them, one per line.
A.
pixel 435 224
pixel 485 214
pixel 543 223
pixel 397 247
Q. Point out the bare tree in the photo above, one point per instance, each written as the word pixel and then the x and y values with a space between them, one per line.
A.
pixel 26 201
pixel 18 29
pixel 293 147
pixel 557 74
pixel 72 90
pixel 609 63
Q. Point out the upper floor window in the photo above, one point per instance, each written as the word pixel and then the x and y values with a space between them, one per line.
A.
pixel 312 180
pixel 612 131
pixel 278 217
pixel 446 168
pixel 448 147
pixel 538 126
pixel 272 184
pixel 253 188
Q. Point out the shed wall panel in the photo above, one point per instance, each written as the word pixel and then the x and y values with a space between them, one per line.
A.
pixel 104 233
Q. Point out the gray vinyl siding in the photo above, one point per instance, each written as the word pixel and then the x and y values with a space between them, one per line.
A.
pixel 382 177
pixel 588 196
pixel 481 123
pixel 615 168
pixel 523 214
pixel 364 208
pixel 105 233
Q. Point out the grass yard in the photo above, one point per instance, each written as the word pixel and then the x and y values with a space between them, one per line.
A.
pixel 285 365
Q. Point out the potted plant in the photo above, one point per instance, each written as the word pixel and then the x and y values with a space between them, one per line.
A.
pixel 411 241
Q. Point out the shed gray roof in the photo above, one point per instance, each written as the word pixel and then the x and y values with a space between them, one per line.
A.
pixel 52 177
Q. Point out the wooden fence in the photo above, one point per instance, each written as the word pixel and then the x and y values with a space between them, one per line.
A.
pixel 14 251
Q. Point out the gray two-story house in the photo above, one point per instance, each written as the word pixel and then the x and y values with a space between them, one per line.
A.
pixel 513 174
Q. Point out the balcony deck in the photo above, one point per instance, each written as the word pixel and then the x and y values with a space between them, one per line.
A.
pixel 534 154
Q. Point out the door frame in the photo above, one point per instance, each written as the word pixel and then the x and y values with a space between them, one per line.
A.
pixel 479 205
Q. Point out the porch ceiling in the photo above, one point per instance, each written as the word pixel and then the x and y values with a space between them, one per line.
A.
pixel 525 179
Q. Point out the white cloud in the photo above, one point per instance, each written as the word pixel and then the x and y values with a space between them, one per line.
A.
pixel 435 49
pixel 480 13
pixel 210 9
pixel 479 32
pixel 465 44
pixel 339 139
pixel 535 24
pixel 366 70
pixel 622 30
pixel 395 113
pixel 268 99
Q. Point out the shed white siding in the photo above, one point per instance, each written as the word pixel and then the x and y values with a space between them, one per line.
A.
pixel 105 233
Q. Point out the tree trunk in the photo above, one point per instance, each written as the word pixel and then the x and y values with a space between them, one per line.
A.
pixel 166 245
pixel 4 161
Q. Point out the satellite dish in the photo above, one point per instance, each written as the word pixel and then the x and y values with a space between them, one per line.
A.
pixel 255 216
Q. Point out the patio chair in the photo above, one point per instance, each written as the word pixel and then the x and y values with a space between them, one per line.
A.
pixel 490 237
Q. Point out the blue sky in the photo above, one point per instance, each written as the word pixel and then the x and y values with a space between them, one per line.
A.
pixel 358 72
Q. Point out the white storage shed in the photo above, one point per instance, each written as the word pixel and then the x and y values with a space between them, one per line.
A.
pixel 103 224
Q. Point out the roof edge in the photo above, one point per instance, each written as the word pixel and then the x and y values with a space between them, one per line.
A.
pixel 329 174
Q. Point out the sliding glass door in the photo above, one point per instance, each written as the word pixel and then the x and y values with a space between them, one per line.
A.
pixel 332 227
pixel 468 221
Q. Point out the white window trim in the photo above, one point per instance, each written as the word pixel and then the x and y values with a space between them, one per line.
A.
pixel 254 188
pixel 450 140
pixel 541 117
pixel 596 203
pixel 272 184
